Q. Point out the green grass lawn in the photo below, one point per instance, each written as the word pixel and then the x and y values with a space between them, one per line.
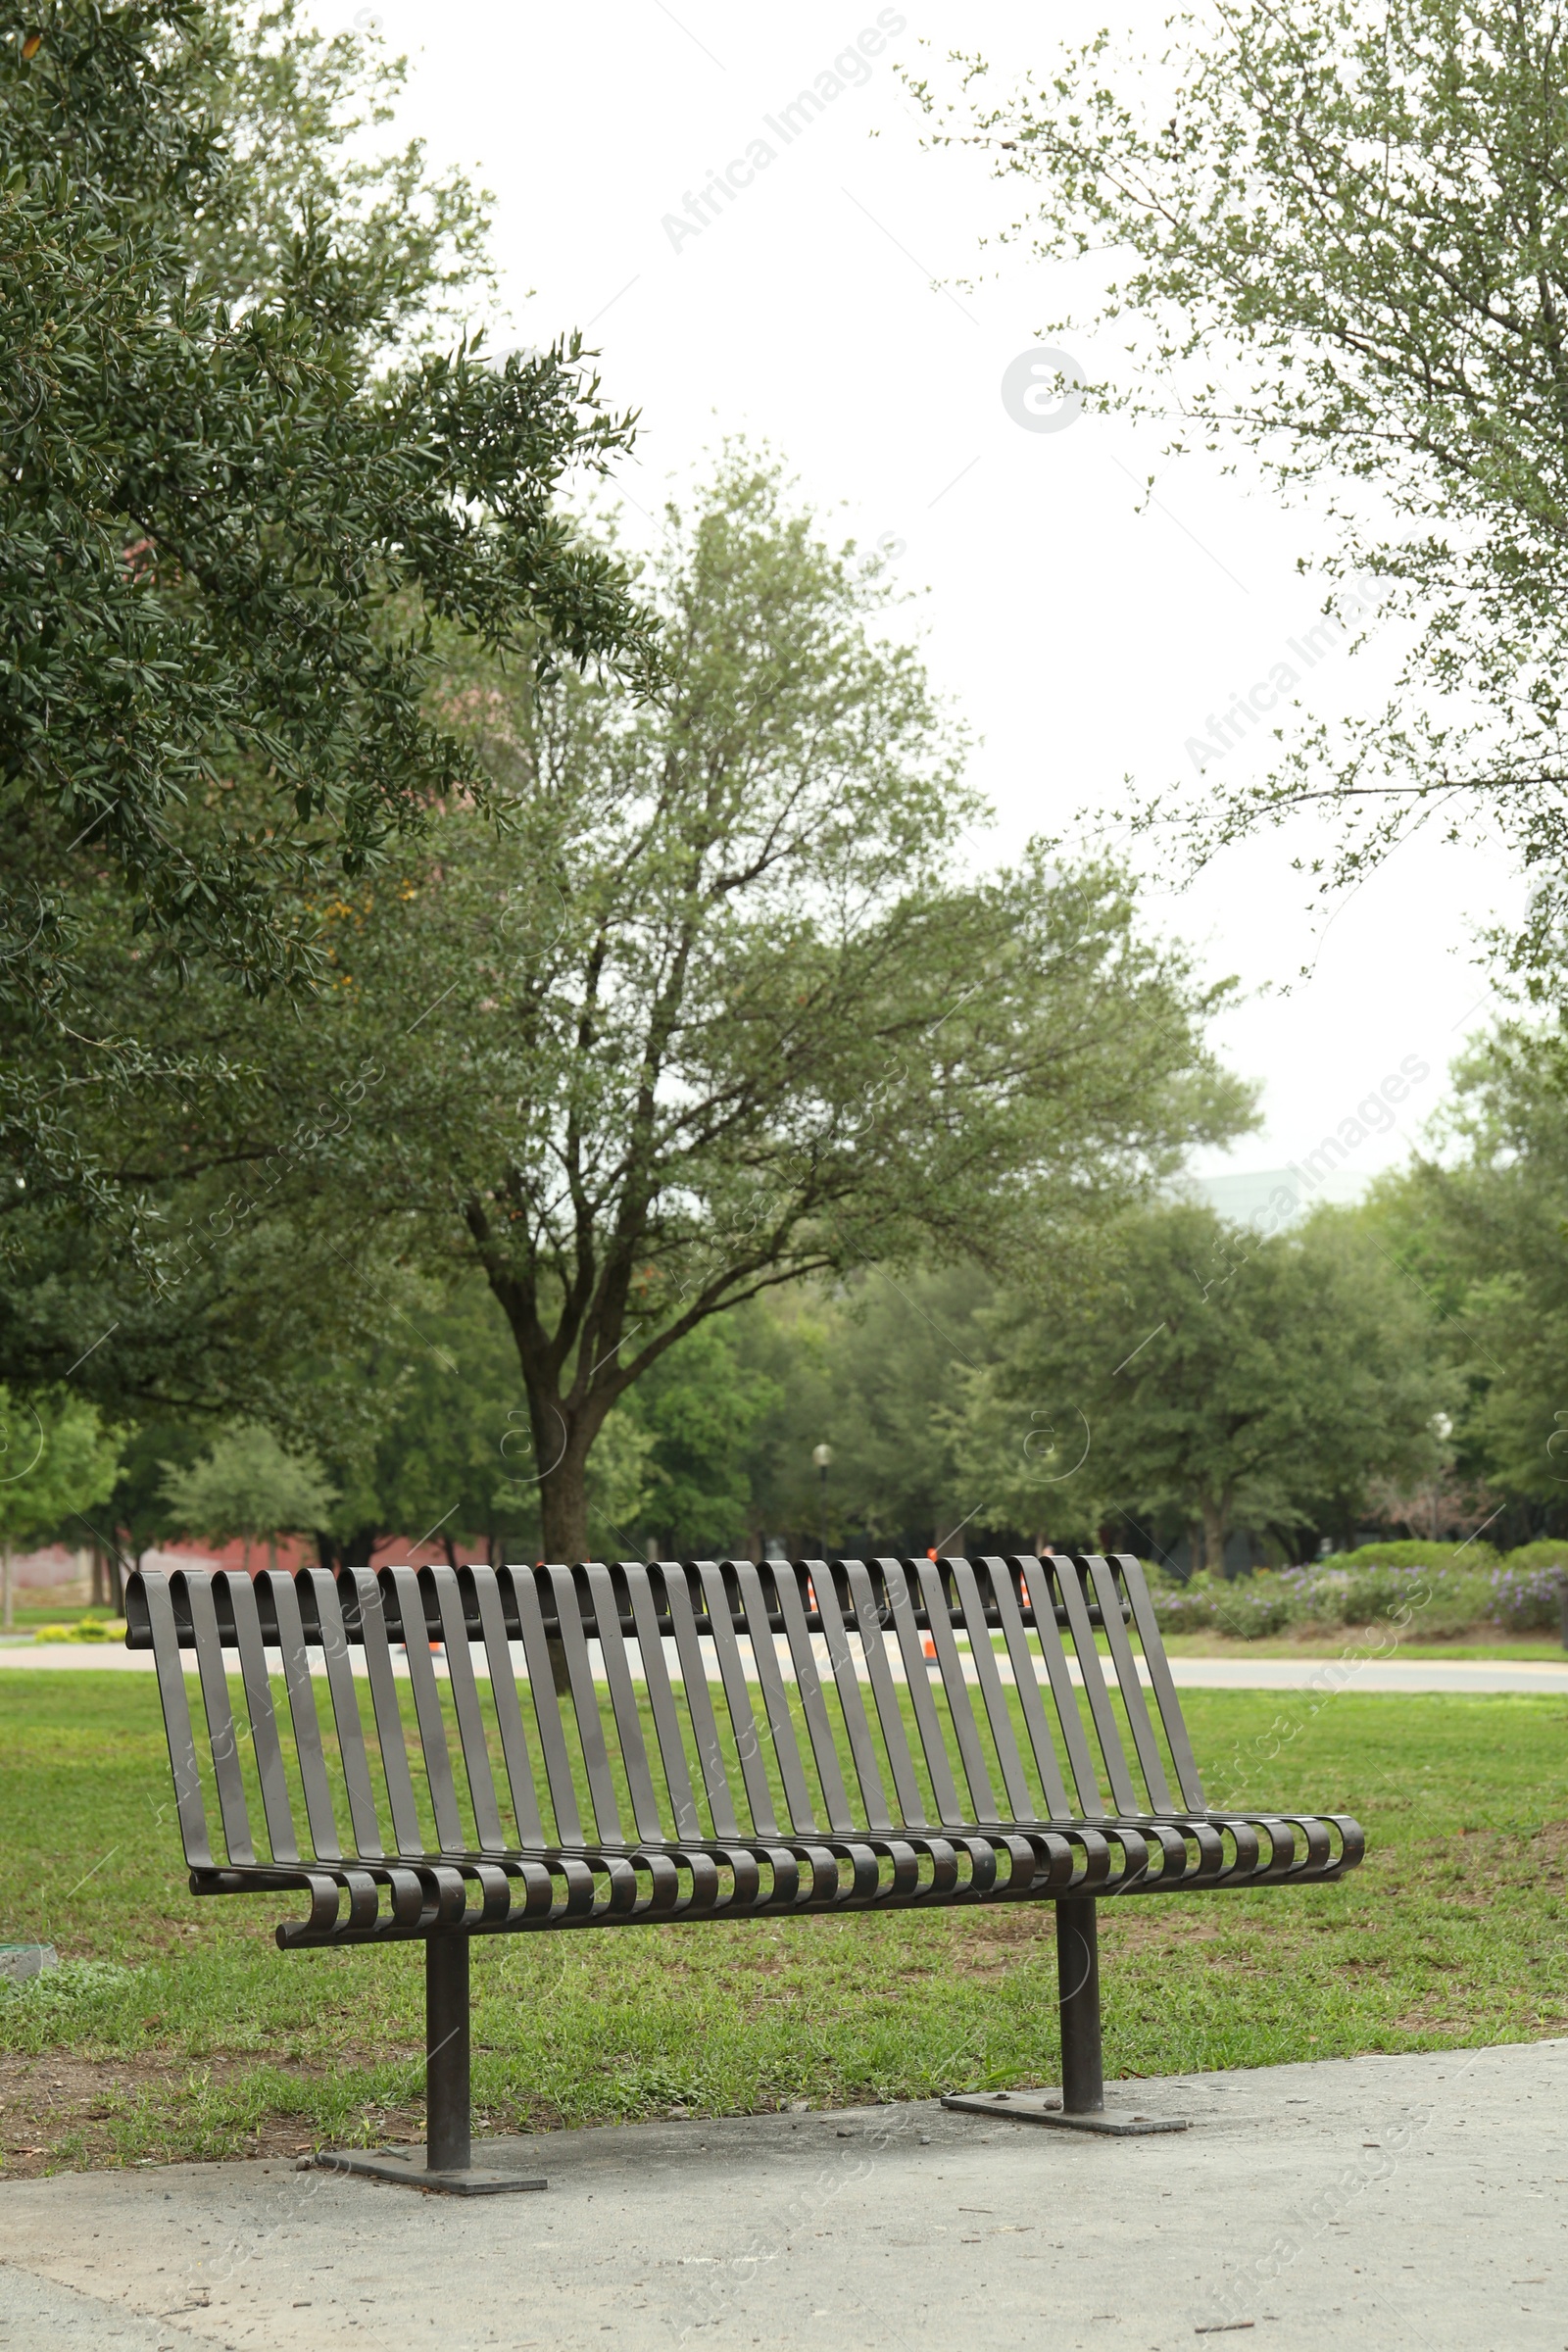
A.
pixel 176 2028
pixel 27 1616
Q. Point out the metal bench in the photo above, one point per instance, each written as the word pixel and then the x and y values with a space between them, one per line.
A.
pixel 601 1787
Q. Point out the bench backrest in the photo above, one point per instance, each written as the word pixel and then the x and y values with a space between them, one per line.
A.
pixel 576 1706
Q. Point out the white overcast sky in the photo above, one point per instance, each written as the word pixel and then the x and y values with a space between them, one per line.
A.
pixel 1084 640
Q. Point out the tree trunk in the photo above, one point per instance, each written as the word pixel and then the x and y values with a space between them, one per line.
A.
pixel 563 1524
pixel 348 1552
pixel 1215 1519
pixel 5 1586
pixel 564 1505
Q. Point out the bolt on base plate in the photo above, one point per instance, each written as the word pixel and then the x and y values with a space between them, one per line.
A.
pixel 408 2168
pixel 1045 2107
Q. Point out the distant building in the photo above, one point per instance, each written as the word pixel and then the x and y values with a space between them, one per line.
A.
pixel 1276 1197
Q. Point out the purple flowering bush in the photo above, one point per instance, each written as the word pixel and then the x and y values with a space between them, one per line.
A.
pixel 1431 1598
pixel 1526 1599
pixel 1247 1607
pixel 1453 1588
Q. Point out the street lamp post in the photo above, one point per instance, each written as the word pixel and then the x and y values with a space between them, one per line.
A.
pixel 822 1455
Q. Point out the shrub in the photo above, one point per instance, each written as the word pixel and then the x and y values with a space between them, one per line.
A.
pixel 1183 1608
pixel 1432 1597
pixel 1429 1591
pixel 1247 1607
pixel 1252 1606
pixel 1528 1599
pixel 1550 1552
pixel 1411 1555
pixel 1428 1597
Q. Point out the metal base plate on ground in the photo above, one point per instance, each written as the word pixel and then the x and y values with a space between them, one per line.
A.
pixel 406 2166
pixel 1045 2107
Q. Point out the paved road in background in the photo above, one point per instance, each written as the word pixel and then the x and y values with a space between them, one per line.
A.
pixel 1371 1673
pixel 1543 1679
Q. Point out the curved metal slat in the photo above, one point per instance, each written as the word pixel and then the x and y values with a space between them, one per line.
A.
pixel 546 1705
pixel 329 1601
pixel 1027 1685
pixel 863 1748
pixel 732 1675
pixel 1151 1760
pixel 661 1699
pixel 787 1583
pixel 509 1714
pixel 284 1602
pixel 698 1701
pixel 465 1706
pixel 1123 1796
pixel 1037 1581
pixel 927 1722
pixel 780 1714
pixel 1162 1683
pixel 276 1810
pixel 870 1618
pixel 987 1680
pixel 174 1700
pixel 221 1738
pixel 956 1689
pixel 585 1703
pixel 434 1748
pixel 623 1699
pixel 407 1837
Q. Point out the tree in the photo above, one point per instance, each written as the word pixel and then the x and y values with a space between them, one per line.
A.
pixel 1205 1370
pixel 232 522
pixel 140 1513
pixel 246 1486
pixel 697 1408
pixel 870 1366
pixel 57 1462
pixel 719 1011
pixel 1480 1226
pixel 434 1462
pixel 295 106
pixel 1339 237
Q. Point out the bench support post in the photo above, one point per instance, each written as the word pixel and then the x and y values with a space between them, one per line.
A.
pixel 1083 2066
pixel 1082 2107
pixel 1077 1990
pixel 447 2164
pixel 446 2053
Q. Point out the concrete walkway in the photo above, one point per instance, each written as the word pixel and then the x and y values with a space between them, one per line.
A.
pixel 1391 2204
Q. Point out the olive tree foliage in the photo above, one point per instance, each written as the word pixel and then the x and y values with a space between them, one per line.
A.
pixel 1337 242
pixel 298 107
pixel 721 1007
pixel 232 518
